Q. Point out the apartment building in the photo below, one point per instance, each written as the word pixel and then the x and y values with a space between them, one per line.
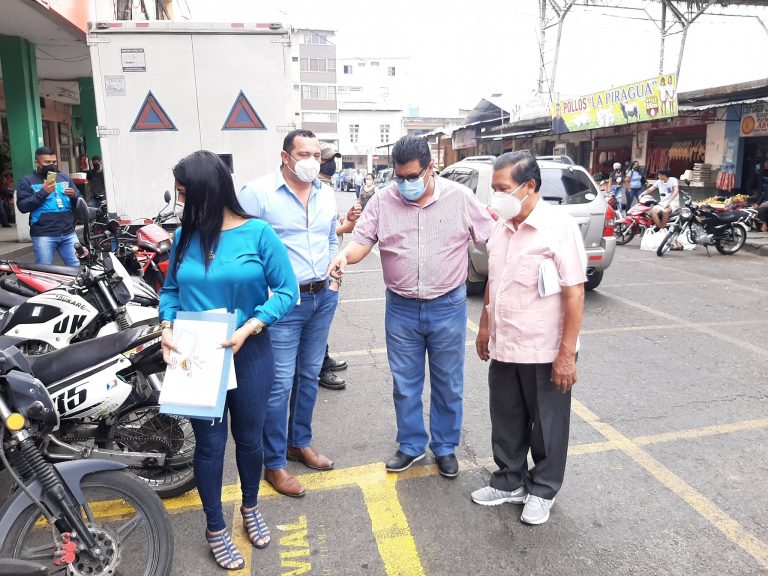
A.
pixel 372 103
pixel 313 62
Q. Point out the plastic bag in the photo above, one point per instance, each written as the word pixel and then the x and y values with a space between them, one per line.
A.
pixel 652 239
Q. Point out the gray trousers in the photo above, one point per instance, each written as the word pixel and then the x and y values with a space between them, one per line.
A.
pixel 528 412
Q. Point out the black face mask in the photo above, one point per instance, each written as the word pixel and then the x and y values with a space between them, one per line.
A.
pixel 46 169
pixel 328 167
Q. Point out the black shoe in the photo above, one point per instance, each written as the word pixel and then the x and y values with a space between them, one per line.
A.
pixel 329 380
pixel 448 465
pixel 402 461
pixel 334 365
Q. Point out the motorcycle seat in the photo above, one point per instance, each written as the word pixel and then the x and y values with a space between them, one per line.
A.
pixel 59 364
pixel 9 299
pixel 727 217
pixel 51 269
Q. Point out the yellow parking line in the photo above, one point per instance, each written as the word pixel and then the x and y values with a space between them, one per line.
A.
pixel 692 325
pixel 730 528
pixel 744 425
pixel 390 527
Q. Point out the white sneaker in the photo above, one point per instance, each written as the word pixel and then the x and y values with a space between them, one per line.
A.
pixel 489 496
pixel 536 510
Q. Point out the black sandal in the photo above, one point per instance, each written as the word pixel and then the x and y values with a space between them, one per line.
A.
pixel 257 528
pixel 224 551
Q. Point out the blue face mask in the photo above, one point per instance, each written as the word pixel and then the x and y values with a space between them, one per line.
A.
pixel 412 191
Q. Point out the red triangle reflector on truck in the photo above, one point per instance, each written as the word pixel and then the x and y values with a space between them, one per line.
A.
pixel 243 116
pixel 152 117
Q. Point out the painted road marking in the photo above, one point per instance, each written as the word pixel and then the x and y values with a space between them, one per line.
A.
pixel 730 528
pixel 692 325
pixel 297 559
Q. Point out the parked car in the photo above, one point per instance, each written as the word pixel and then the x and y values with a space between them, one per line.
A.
pixel 383 176
pixel 562 184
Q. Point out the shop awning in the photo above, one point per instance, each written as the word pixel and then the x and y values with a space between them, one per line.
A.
pixel 516 134
pixel 722 104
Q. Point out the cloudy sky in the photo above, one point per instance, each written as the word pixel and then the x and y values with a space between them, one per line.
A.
pixel 458 54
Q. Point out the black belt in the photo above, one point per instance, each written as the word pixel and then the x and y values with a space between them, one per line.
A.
pixel 311 287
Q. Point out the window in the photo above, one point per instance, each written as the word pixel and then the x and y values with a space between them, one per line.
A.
pixel 331 64
pixel 391 71
pixel 374 63
pixel 467 177
pixel 295 59
pixel 314 65
pixel 361 64
pixel 296 87
pixel 354 132
pixel 347 69
pixel 384 132
pixel 314 38
pixel 315 92
pixel 320 117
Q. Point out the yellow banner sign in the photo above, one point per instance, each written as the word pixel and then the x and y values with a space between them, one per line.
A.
pixel 639 102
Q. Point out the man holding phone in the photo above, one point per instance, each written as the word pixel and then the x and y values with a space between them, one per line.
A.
pixel 48 196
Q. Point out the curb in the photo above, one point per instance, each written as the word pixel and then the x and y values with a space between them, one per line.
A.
pixel 22 253
pixel 757 249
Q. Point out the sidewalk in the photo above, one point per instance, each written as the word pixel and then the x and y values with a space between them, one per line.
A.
pixel 11 249
pixel 757 243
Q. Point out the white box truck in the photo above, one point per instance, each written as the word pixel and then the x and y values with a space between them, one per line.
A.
pixel 165 89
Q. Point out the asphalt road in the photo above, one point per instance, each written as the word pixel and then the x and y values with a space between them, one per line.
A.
pixel 667 465
pixel 667 468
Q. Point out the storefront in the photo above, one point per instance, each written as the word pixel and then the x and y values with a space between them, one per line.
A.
pixel 754 131
pixel 678 148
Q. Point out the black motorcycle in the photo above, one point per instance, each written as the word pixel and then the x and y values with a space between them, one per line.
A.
pixel 83 517
pixel 701 224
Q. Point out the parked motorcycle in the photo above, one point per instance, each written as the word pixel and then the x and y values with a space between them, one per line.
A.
pixel 106 396
pixel 636 221
pixel 85 517
pixel 701 224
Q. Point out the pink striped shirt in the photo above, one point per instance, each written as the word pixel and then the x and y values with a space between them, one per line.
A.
pixel 424 249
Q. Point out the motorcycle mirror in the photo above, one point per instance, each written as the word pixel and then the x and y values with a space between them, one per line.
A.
pixel 113 226
pixel 167 197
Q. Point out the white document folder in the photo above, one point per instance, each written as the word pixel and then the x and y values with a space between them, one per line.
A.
pixel 549 279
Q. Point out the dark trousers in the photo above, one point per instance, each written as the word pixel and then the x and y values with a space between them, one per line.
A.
pixel 247 407
pixel 528 412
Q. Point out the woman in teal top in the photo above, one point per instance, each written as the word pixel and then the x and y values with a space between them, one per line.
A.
pixel 223 258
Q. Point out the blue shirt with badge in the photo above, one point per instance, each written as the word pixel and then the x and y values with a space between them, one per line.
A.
pixel 308 234
pixel 49 214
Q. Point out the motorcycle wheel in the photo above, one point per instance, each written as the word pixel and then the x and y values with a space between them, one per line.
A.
pixel 729 247
pixel 125 517
pixel 146 430
pixel 668 241
pixel 624 234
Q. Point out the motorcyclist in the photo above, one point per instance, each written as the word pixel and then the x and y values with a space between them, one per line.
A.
pixel 618 182
pixel 669 192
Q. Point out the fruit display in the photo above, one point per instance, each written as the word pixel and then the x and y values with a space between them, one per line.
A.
pixel 733 203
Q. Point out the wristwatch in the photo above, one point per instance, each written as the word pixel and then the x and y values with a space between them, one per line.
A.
pixel 255 325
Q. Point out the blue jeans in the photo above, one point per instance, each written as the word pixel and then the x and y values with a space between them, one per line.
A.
pixel 247 404
pixel 633 194
pixel 45 248
pixel 298 344
pixel 438 328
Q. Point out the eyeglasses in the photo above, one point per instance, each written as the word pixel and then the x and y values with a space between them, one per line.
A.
pixel 411 178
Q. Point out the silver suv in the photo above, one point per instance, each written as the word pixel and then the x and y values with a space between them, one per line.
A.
pixel 563 184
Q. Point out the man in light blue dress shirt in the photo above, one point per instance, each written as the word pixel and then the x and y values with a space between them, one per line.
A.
pixel 302 211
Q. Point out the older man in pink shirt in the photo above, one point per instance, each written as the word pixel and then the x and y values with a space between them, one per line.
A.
pixel 422 226
pixel 529 328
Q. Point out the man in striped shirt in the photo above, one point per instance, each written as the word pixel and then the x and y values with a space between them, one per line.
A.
pixel 422 225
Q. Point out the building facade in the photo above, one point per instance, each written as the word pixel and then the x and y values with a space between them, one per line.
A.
pixel 372 104
pixel 313 68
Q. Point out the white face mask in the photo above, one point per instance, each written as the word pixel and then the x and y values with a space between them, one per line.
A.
pixel 507 205
pixel 179 209
pixel 306 170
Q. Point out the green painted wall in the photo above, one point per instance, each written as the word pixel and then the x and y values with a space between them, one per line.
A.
pixel 88 117
pixel 22 102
